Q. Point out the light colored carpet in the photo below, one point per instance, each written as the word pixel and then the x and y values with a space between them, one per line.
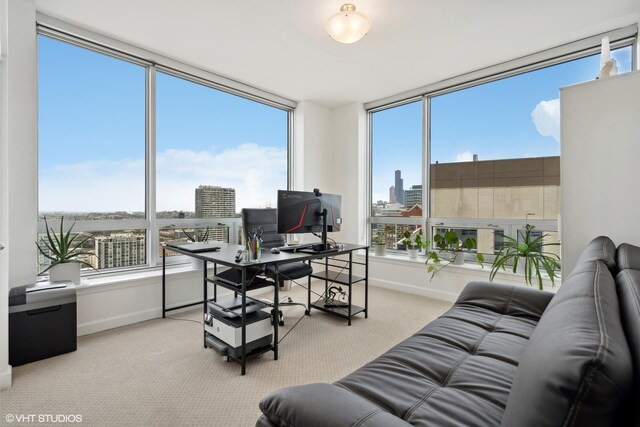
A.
pixel 157 373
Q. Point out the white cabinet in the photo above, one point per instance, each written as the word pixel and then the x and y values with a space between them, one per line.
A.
pixel 600 163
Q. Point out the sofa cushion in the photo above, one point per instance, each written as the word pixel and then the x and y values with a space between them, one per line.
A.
pixel 458 369
pixel 628 285
pixel 455 371
pixel 628 256
pixel 575 368
pixel 321 405
pixel 601 248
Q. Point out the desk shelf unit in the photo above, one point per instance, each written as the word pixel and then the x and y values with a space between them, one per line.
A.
pixel 348 279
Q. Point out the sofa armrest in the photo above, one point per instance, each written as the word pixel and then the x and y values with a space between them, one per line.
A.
pixel 320 405
pixel 506 299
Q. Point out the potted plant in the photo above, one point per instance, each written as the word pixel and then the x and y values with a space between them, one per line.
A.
pixel 527 256
pixel 379 245
pixel 413 246
pixel 380 241
pixel 455 248
pixel 63 249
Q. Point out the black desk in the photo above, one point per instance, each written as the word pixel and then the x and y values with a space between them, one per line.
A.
pixel 226 256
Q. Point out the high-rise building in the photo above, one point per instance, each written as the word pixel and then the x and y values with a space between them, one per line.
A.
pixel 392 194
pixel 119 250
pixel 214 202
pixel 413 196
pixel 399 188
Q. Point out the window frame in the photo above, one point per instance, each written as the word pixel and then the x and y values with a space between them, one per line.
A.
pixel 153 63
pixel 620 38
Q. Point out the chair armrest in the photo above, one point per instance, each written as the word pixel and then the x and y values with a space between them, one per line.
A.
pixel 506 299
pixel 321 405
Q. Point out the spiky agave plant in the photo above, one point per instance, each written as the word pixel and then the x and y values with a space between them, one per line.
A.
pixel 531 252
pixel 62 247
pixel 195 236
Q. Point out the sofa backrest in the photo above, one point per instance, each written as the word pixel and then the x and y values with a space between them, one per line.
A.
pixel 576 369
pixel 601 248
pixel 628 286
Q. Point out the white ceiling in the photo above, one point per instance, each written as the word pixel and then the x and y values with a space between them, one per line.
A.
pixel 281 45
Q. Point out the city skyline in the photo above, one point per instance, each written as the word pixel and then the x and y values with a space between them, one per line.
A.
pixel 516 117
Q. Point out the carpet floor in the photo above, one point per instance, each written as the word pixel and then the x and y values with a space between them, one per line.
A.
pixel 157 373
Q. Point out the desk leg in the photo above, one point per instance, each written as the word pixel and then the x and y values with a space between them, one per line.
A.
pixel 350 286
pixel 204 281
pixel 366 284
pixel 205 286
pixel 164 312
pixel 243 369
pixel 276 314
pixel 309 293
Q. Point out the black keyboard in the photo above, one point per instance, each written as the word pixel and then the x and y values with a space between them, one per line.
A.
pixel 293 248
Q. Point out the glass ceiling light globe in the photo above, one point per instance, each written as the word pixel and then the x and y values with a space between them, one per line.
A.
pixel 348 26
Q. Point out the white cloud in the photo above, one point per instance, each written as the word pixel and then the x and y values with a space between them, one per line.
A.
pixel 255 172
pixel 465 156
pixel 546 117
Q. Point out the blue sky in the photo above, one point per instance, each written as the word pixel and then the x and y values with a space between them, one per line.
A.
pixel 92 137
pixel 92 134
pixel 494 120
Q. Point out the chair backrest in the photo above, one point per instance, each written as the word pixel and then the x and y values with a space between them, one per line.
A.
pixel 268 220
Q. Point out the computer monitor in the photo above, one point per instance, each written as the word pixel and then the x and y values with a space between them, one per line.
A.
pixel 309 212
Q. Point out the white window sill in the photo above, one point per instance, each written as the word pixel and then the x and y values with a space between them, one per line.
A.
pixel 131 278
pixel 466 268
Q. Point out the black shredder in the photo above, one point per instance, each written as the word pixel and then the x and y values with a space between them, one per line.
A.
pixel 42 321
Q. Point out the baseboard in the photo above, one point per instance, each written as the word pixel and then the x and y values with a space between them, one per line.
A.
pixel 99 325
pixel 402 287
pixel 5 378
pixel 118 321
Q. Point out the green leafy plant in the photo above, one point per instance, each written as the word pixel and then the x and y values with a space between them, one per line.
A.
pixel 382 238
pixel 531 252
pixel 196 237
pixel 449 243
pixel 62 247
pixel 416 242
pixel 378 239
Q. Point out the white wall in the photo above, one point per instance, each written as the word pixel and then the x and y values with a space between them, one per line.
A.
pixel 348 158
pixel 600 151
pixel 312 147
pixel 18 157
pixel 404 275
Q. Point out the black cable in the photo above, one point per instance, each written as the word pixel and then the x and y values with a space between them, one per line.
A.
pixel 186 320
pixel 292 328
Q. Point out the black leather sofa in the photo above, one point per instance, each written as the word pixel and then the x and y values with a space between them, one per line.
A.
pixel 502 355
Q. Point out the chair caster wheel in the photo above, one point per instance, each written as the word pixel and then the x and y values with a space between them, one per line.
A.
pixel 307 312
pixel 281 323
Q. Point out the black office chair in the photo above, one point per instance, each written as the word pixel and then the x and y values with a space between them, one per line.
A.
pixel 268 219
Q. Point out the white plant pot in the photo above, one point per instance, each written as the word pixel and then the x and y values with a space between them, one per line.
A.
pixel 65 271
pixel 520 267
pixel 380 250
pixel 459 258
pixel 413 253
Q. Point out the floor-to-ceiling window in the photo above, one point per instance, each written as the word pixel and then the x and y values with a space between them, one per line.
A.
pixel 490 154
pixel 134 155
pixel 396 179
pixel 216 153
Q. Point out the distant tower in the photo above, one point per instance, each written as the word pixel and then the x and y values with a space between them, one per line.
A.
pixel 392 194
pixel 214 202
pixel 399 188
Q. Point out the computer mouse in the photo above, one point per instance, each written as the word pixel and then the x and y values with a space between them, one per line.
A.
pixel 275 250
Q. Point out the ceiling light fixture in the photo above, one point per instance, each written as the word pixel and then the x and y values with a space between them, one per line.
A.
pixel 348 26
